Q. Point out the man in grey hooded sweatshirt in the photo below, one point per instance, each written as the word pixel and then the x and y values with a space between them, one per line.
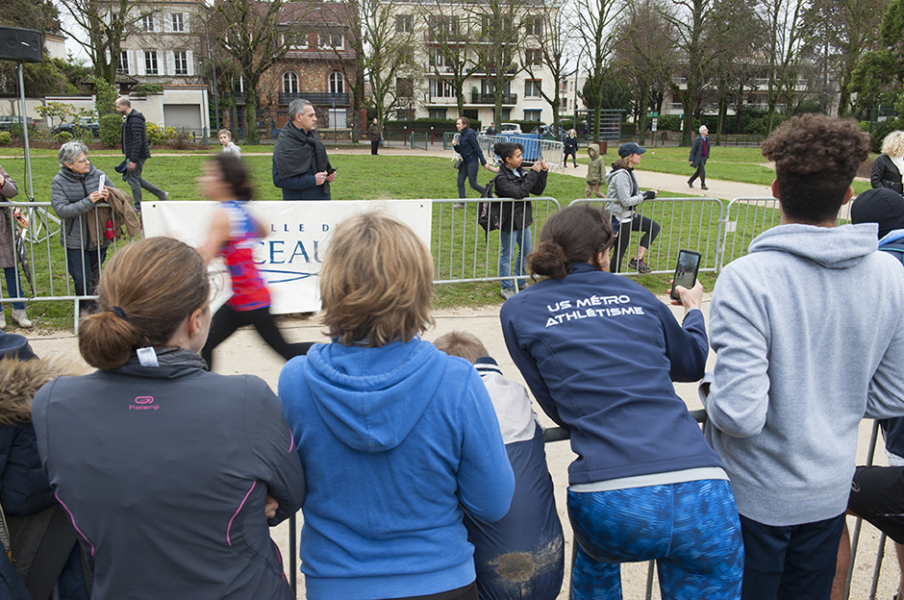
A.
pixel 809 340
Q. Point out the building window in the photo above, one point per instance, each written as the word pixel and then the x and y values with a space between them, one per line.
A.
pixel 297 40
pixel 404 87
pixel 533 56
pixel 290 82
pixel 181 62
pixel 404 23
pixel 532 115
pixel 147 22
pixel 437 113
pixel 337 83
pixel 150 62
pixel 178 23
pixel 533 26
pixel 532 88
pixel 441 89
pixel 123 66
pixel 332 41
pixel 443 28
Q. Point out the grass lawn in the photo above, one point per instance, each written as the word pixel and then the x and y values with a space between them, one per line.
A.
pixel 461 249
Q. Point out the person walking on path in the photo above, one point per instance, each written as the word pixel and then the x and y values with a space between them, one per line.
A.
pixel 135 147
pixel 595 173
pixel 471 153
pixel 375 134
pixel 233 235
pixel 699 156
pixel 14 287
pixel 301 167
pixel 571 148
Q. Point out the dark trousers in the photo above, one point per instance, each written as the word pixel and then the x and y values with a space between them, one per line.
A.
pixel 227 320
pixel 133 178
pixel 469 170
pixel 468 592
pixel 374 146
pixel 13 286
pixel 700 172
pixel 84 268
pixel 574 158
pixel 796 562
pixel 638 223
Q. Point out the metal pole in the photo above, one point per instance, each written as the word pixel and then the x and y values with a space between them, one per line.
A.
pixel 31 187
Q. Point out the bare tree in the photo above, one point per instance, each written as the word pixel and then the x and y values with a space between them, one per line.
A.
pixel 384 46
pixel 698 39
pixel 783 21
pixel 104 26
pixel 256 35
pixel 499 35
pixel 594 21
pixel 643 50
pixel 546 48
pixel 447 35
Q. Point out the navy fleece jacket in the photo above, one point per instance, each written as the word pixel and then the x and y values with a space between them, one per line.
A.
pixel 398 439
pixel 599 353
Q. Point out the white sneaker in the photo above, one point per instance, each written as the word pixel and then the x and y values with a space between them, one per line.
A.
pixel 2 320
pixel 21 318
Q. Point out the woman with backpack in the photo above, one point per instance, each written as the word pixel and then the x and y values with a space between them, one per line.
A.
pixel 515 218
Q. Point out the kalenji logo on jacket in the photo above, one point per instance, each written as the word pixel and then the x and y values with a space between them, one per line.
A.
pixel 144 403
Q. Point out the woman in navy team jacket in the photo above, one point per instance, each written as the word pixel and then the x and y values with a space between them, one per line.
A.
pixel 600 353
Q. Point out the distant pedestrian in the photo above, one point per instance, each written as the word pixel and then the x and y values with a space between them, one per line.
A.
pixel 229 147
pixel 571 147
pixel 14 287
pixel 491 130
pixel 375 134
pixel 470 152
pixel 135 147
pixel 699 156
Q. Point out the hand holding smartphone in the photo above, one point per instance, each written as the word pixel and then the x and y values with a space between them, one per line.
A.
pixel 685 272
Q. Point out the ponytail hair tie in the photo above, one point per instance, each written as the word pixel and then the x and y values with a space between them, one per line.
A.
pixel 119 312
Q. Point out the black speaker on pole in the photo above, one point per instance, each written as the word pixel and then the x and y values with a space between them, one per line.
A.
pixel 21 45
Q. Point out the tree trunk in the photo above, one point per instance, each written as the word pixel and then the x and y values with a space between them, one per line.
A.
pixel 251 136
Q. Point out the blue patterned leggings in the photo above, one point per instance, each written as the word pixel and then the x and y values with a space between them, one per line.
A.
pixel 691 529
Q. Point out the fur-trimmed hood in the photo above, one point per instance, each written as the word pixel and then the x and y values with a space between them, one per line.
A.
pixel 20 381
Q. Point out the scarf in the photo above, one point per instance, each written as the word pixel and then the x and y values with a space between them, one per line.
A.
pixel 297 152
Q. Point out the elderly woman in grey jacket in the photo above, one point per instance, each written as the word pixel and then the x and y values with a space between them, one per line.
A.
pixel 75 191
pixel 624 195
pixel 8 190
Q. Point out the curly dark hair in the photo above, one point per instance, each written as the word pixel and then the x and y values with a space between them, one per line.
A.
pixel 816 158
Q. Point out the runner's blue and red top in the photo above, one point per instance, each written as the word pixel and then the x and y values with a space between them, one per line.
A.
pixel 248 289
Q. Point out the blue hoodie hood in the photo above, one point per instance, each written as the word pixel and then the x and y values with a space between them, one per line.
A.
pixel 371 398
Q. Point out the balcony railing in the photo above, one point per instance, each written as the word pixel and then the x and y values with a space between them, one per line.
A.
pixel 320 98
pixel 491 99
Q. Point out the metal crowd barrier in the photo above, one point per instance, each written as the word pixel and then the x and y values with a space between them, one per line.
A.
pixel 686 223
pixel 463 252
pixel 42 263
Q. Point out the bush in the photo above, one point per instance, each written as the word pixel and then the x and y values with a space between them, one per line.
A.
pixel 105 97
pixel 111 129
pixel 6 138
pixel 62 137
pixel 877 135
pixel 159 136
pixel 143 89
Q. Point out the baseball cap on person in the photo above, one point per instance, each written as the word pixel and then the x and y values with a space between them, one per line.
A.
pixel 629 149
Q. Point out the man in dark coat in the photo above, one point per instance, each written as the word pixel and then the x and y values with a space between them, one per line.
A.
pixel 135 147
pixel 374 132
pixel 301 167
pixel 699 156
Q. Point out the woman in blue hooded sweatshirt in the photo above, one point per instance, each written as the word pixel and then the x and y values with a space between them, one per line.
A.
pixel 397 435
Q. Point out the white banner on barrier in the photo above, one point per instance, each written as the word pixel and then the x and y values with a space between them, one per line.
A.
pixel 289 258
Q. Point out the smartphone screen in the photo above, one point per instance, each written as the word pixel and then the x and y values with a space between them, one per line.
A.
pixel 685 271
